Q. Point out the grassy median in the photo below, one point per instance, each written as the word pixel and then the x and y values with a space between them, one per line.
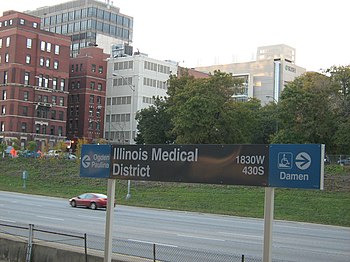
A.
pixel 60 178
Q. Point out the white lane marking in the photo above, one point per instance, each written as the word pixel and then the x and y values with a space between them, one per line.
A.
pixel 147 242
pixel 206 238
pixel 240 235
pixel 27 204
pixel 53 218
pixel 5 220
pixel 91 217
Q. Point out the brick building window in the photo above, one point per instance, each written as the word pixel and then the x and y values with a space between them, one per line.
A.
pixel 61 101
pixel 53 99
pixel 26 78
pixel 57 49
pixel 54 83
pixel 29 43
pixel 24 127
pixel 27 59
pixel 48 47
pixel 42 45
pixel 25 95
pixel 53 114
pixel 5 77
pixel 62 84
pixel 25 110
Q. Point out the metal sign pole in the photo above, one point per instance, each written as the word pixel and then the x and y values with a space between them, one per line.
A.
pixel 109 220
pixel 268 220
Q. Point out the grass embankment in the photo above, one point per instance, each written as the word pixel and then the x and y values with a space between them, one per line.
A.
pixel 60 178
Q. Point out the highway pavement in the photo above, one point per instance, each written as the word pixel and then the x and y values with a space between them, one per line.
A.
pixel 218 236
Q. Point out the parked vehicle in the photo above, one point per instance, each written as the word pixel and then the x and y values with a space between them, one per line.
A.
pixel 344 162
pixel 53 153
pixel 89 200
pixel 28 153
pixel 72 156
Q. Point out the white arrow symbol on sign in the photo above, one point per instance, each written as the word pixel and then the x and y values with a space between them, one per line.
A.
pixel 303 160
pixel 86 161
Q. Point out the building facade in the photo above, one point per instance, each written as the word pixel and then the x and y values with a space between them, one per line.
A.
pixel 88 23
pixel 33 81
pixel 87 94
pixel 266 77
pixel 132 83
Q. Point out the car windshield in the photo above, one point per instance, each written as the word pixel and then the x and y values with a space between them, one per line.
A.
pixel 100 196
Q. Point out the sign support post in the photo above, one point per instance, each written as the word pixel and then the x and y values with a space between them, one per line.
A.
pixel 268 220
pixel 109 220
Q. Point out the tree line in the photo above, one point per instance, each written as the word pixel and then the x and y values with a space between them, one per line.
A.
pixel 314 108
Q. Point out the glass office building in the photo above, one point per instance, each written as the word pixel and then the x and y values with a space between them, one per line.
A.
pixel 88 22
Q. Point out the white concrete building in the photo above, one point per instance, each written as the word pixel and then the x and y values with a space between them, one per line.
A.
pixel 132 83
pixel 266 77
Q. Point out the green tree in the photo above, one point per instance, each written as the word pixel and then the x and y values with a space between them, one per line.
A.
pixel 238 123
pixel 80 143
pixel 305 112
pixel 31 146
pixel 154 124
pixel 198 107
pixel 16 143
pixel 267 124
pixel 340 77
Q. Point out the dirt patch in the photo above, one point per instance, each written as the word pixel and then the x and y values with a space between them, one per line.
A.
pixel 337 183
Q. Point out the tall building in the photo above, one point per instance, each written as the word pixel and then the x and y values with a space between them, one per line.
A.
pixel 88 23
pixel 87 94
pixel 33 81
pixel 132 83
pixel 266 77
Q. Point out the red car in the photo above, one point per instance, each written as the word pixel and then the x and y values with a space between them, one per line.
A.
pixel 90 200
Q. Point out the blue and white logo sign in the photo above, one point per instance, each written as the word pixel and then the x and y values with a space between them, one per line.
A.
pixel 86 161
pixel 285 160
pixel 95 161
pixel 303 161
pixel 296 166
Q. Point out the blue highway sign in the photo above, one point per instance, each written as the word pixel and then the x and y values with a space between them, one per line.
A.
pixel 95 161
pixel 296 166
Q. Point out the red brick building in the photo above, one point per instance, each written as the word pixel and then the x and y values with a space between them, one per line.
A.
pixel 87 94
pixel 34 72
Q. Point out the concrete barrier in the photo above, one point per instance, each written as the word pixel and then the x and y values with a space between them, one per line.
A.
pixel 13 249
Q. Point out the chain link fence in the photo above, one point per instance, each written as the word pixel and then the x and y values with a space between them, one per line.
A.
pixel 147 250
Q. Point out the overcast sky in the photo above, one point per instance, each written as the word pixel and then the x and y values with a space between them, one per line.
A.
pixel 199 33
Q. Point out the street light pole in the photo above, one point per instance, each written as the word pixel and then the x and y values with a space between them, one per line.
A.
pixel 132 87
pixel 276 102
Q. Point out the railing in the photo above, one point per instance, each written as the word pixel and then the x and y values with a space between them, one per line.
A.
pixel 141 249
